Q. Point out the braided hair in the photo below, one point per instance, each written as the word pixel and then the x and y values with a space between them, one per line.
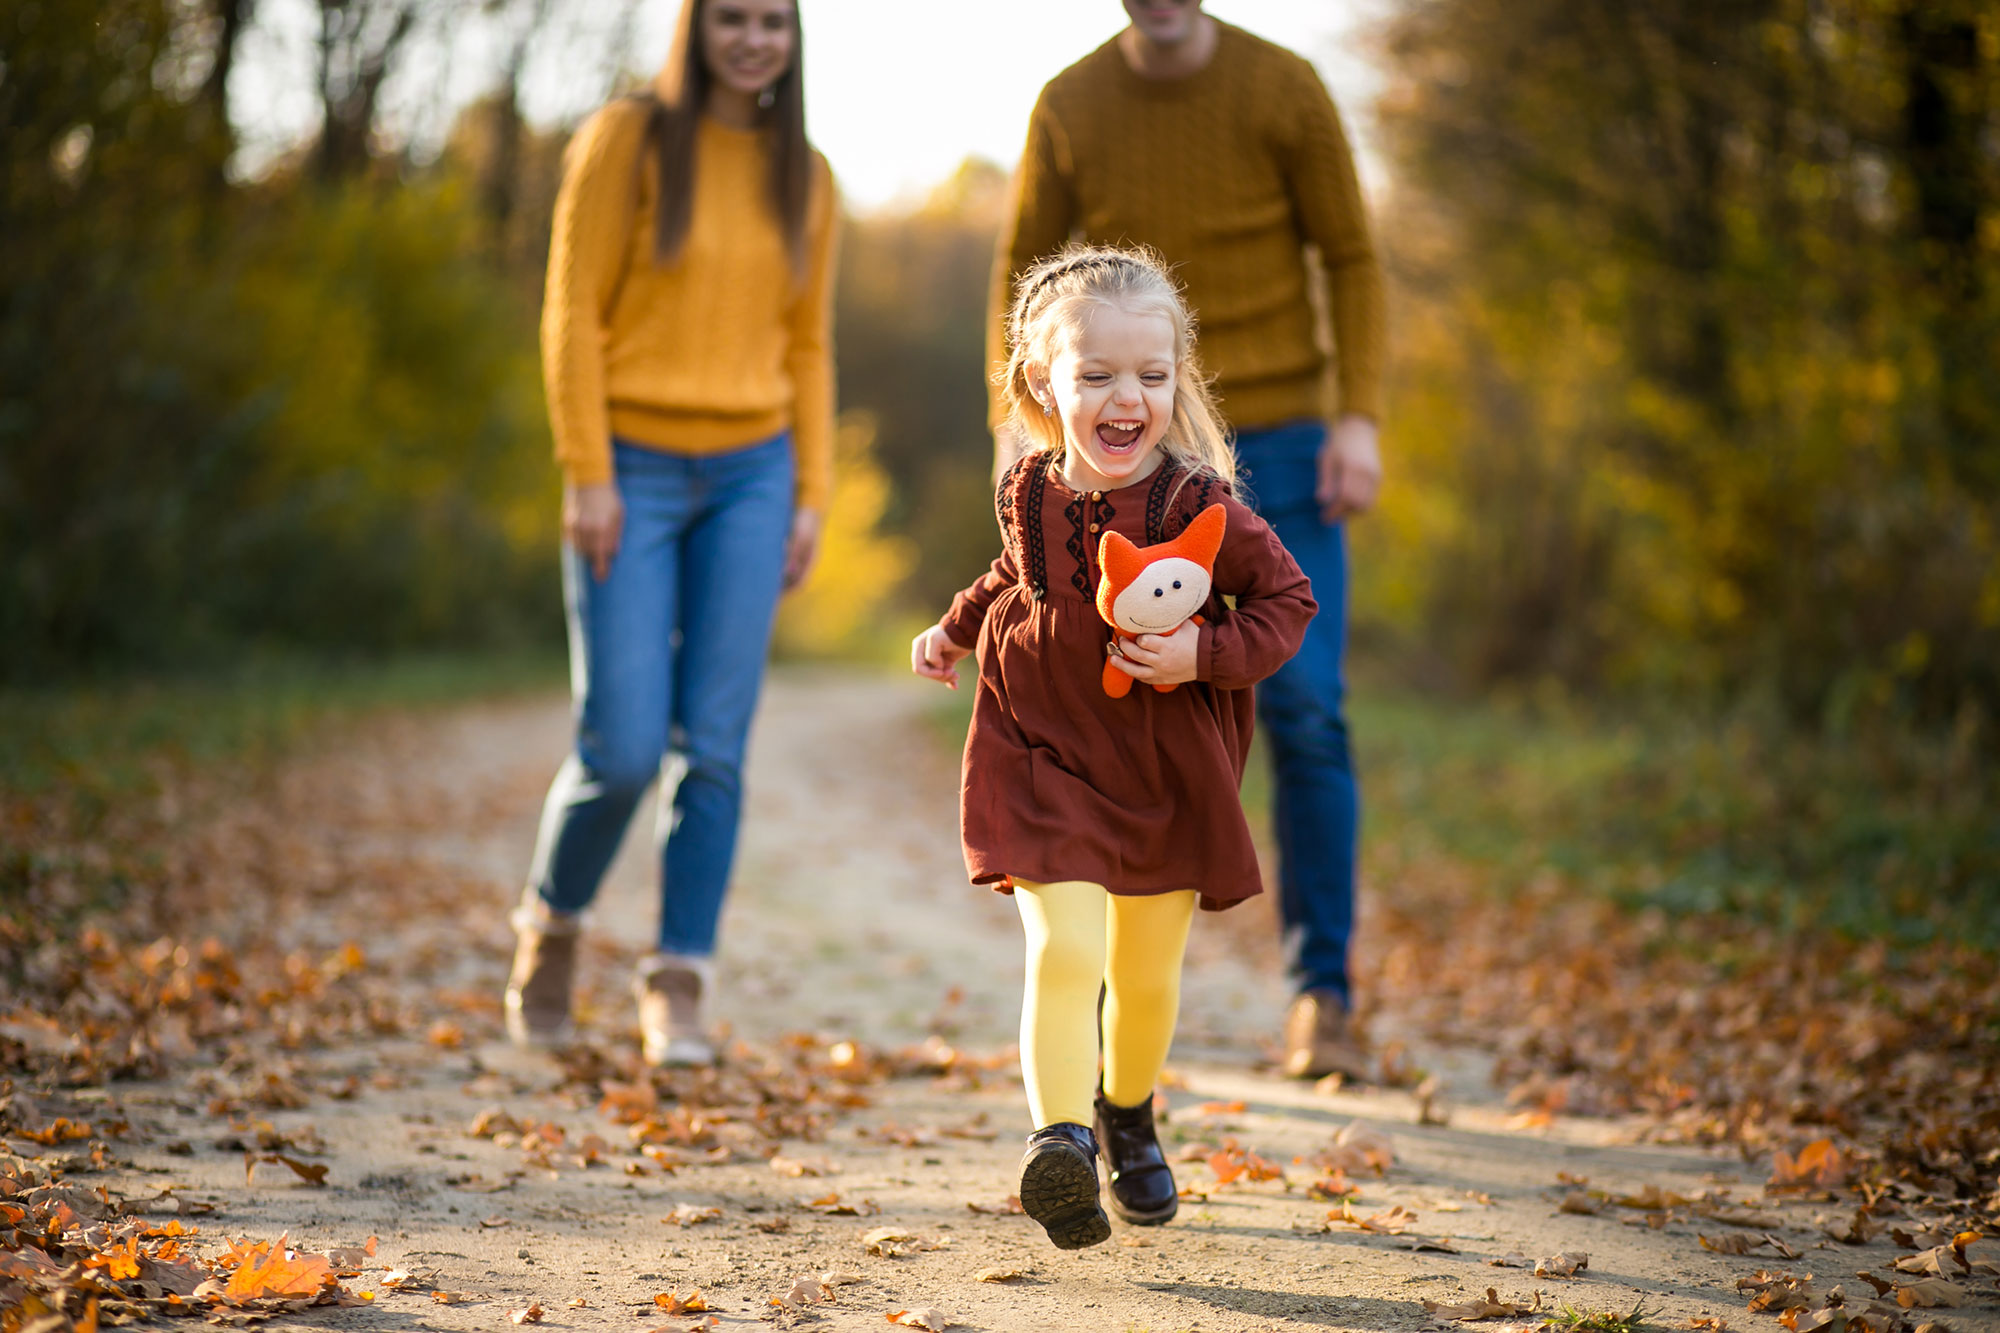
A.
pixel 1051 300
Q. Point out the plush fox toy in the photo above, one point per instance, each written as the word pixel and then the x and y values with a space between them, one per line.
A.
pixel 1153 589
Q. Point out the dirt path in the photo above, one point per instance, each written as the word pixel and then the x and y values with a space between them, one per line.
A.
pixel 852 921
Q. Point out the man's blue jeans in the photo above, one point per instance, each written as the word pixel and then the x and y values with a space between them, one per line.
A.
pixel 666 655
pixel 1316 802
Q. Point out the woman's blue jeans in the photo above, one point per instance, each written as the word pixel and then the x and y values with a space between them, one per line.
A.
pixel 1316 802
pixel 666 656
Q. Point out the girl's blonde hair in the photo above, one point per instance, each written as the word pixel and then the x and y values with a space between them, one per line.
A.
pixel 1050 303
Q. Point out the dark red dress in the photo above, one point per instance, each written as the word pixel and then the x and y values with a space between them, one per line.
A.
pixel 1063 782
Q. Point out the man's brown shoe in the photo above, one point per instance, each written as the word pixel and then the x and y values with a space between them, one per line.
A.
pixel 538 989
pixel 1320 1039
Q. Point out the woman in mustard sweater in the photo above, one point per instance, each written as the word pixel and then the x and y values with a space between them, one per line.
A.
pixel 688 363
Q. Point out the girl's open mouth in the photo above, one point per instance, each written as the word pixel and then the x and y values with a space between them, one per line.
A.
pixel 1118 436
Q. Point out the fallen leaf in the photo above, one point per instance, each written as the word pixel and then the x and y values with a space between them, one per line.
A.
pixel 1930 1293
pixel 495 1222
pixel 796 1166
pixel 1221 1108
pixel 1512 1259
pixel 276 1271
pixel 1232 1163
pixel 805 1291
pixel 1576 1201
pixel 1819 1165
pixel 934 1320
pixel 1490 1308
pixel 996 1275
pixel 531 1315
pixel 675 1303
pixel 689 1215
pixel 1562 1265
pixel 1707 1323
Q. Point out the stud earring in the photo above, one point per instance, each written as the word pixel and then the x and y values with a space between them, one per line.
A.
pixel 769 97
pixel 1048 409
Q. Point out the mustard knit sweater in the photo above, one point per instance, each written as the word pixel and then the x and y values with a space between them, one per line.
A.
pixel 724 348
pixel 1230 173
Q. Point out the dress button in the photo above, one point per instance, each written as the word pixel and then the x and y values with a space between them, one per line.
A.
pixel 1095 526
pixel 1097 495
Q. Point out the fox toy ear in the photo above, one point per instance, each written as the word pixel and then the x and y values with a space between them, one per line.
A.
pixel 1119 559
pixel 1203 538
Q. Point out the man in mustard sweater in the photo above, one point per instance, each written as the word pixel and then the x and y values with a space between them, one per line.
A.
pixel 1225 153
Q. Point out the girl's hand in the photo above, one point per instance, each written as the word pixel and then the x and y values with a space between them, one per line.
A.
pixel 801 547
pixel 593 520
pixel 1161 659
pixel 936 655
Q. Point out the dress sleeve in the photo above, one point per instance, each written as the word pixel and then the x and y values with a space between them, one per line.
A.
pixel 809 353
pixel 1319 167
pixel 1039 218
pixel 588 242
pixel 1274 604
pixel 968 608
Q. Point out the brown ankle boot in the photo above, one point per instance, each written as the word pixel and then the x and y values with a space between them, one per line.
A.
pixel 538 989
pixel 1320 1039
pixel 671 990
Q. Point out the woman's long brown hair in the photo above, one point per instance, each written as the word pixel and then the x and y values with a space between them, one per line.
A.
pixel 677 115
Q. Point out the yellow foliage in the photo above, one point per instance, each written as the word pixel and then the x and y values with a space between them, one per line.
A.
pixel 842 604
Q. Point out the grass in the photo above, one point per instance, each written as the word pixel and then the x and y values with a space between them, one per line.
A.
pixel 109 738
pixel 1570 1319
pixel 1891 836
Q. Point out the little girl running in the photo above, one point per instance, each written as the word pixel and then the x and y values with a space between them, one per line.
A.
pixel 1108 818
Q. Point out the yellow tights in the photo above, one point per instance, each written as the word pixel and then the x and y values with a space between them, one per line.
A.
pixel 1079 936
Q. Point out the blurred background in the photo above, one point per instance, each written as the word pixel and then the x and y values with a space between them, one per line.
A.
pixel 1694 423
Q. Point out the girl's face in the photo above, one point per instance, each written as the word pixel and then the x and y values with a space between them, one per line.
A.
pixel 1112 384
pixel 747 44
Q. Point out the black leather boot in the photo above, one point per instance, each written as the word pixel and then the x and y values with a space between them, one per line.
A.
pixel 1142 1184
pixel 1059 1186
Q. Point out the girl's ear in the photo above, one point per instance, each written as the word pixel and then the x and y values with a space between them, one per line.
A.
pixel 1038 388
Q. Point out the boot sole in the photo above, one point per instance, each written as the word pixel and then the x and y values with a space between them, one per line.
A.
pixel 1059 1190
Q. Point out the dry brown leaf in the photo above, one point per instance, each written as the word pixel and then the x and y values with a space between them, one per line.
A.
pixel 1490 1308
pixel 832 1205
pixel 1742 1243
pixel 804 1166
pixel 443 1297
pixel 996 1275
pixel 1707 1323
pixel 1576 1201
pixel 495 1222
pixel 675 1303
pixel 1512 1259
pixel 1232 1163
pixel 1377 1149
pixel 805 1291
pixel 1391 1222
pixel 1562 1265
pixel 927 1318
pixel 274 1271
pixel 313 1173
pixel 1819 1165
pixel 531 1315
pixel 1930 1293
pixel 690 1215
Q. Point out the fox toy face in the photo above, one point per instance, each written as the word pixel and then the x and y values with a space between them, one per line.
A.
pixel 1154 589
